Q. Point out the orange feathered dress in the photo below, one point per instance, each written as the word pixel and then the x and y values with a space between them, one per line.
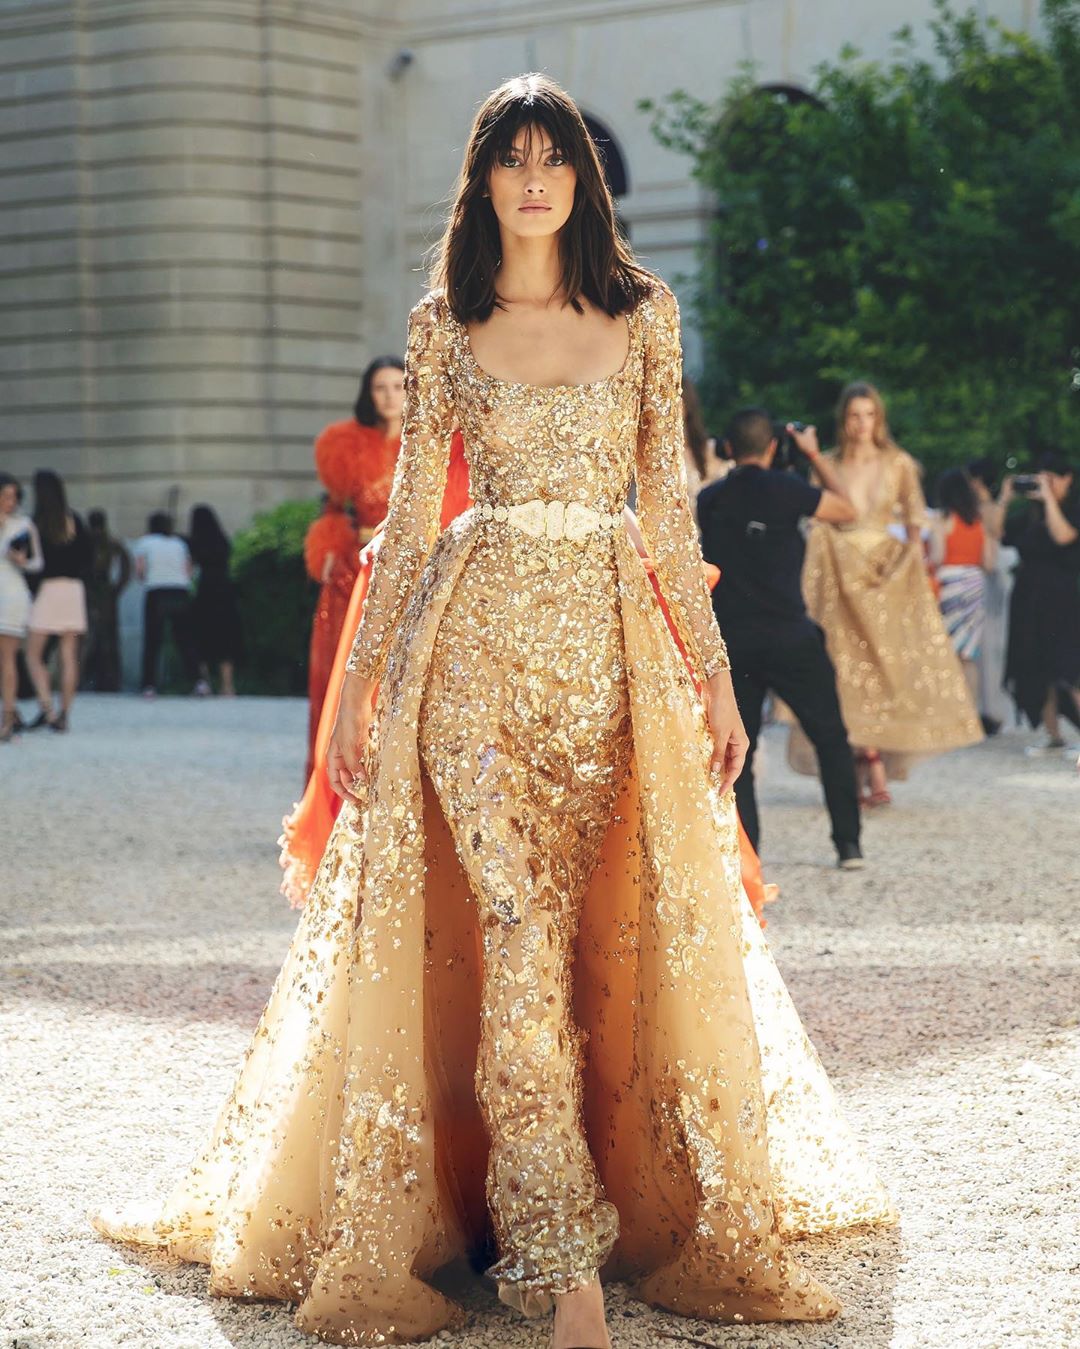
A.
pixel 306 830
pixel 355 464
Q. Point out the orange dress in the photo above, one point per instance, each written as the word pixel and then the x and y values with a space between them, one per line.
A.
pixel 307 828
pixel 355 464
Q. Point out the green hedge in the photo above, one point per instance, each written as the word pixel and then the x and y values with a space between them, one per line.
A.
pixel 914 222
pixel 276 598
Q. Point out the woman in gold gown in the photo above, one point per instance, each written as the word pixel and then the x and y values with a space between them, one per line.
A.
pixel 525 1007
pixel 901 685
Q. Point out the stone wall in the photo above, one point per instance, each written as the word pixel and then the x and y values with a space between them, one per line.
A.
pixel 212 215
pixel 179 249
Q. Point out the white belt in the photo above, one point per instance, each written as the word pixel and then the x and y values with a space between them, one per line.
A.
pixel 571 520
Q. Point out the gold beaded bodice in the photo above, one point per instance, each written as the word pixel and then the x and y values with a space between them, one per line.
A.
pixel 578 443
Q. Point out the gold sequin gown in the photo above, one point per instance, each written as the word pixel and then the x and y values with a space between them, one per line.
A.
pixel 557 1028
pixel 902 688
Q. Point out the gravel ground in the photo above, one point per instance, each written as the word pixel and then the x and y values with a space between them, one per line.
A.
pixel 143 929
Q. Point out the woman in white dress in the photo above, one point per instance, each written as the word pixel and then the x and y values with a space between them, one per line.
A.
pixel 20 554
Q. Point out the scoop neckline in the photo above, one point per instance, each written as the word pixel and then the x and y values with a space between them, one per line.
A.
pixel 550 388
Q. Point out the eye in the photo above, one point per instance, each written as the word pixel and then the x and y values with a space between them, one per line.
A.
pixel 510 160
pixel 556 159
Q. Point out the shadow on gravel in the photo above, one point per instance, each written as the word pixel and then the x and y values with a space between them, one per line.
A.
pixel 177 994
pixel 882 1017
pixel 879 1015
pixel 861 1267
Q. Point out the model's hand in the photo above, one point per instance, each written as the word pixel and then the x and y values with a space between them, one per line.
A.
pixel 348 740
pixel 370 550
pixel 730 741
pixel 806 440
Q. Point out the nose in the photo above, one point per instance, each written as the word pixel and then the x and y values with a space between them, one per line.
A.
pixel 535 186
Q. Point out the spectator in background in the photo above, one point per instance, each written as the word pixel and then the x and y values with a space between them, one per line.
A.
pixel 216 633
pixel 110 571
pixel 163 564
pixel 703 465
pixel 1042 670
pixel 962 551
pixel 59 608
pixel 20 557
pixel 751 529
pixel 993 701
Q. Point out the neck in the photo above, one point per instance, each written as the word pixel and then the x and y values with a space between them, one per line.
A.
pixel 530 271
pixel 755 460
pixel 862 448
pixel 390 427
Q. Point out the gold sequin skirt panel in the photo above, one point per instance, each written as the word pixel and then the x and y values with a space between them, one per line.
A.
pixel 351 1160
pixel 901 685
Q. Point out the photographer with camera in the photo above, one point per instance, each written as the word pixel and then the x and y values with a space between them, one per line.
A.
pixel 1042 669
pixel 751 529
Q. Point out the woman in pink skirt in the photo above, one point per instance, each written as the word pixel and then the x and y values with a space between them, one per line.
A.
pixel 59 608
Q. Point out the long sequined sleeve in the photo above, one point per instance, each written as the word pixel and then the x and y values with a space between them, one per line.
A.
pixel 412 519
pixel 662 501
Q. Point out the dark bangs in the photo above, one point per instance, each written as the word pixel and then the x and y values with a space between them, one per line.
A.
pixel 597 263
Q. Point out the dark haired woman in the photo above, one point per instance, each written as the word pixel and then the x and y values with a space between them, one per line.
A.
pixel 355 461
pixel 307 827
pixel 1042 667
pixel 59 608
pixel 110 571
pixel 20 557
pixel 902 691
pixel 529 851
pixel 703 465
pixel 962 551
pixel 993 699
pixel 216 628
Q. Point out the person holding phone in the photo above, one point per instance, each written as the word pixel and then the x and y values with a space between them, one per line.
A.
pixel 1042 668
pixel 20 556
pixel 751 528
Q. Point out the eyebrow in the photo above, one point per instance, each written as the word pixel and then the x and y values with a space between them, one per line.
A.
pixel 520 150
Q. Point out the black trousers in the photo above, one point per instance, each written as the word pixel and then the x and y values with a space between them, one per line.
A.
pixel 792 662
pixel 166 606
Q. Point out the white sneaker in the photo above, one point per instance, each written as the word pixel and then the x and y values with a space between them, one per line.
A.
pixel 202 689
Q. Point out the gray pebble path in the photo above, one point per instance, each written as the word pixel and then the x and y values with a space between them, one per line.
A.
pixel 142 929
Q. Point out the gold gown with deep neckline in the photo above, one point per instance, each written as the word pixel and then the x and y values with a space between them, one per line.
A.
pixel 528 1006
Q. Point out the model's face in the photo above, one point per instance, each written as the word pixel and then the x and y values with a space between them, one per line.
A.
pixel 388 393
pixel 9 499
pixel 532 186
pixel 859 421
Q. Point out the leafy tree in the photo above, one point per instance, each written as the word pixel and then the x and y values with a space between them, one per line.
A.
pixel 916 223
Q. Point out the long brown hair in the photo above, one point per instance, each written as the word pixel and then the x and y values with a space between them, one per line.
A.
pixel 51 514
pixel 597 264
pixel 861 388
pixel 697 437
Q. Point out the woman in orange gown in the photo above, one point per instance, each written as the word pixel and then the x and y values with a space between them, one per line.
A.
pixel 307 828
pixel 355 461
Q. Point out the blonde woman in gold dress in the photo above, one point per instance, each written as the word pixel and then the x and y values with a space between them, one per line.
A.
pixel 526 1015
pixel 902 688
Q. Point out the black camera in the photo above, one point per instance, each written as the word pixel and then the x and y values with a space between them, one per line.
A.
pixel 787 451
pixel 1027 484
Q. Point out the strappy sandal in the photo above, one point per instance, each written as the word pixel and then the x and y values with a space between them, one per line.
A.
pixel 880 796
